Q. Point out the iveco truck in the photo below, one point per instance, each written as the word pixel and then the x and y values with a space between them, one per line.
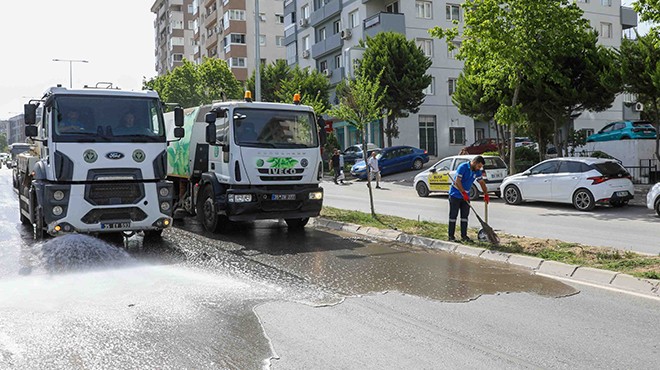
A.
pixel 244 160
pixel 98 162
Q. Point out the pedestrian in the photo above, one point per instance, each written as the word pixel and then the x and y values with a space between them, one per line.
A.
pixel 466 174
pixel 335 164
pixel 341 168
pixel 374 169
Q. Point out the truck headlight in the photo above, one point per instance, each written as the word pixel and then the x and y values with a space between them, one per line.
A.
pixel 58 195
pixel 57 210
pixel 316 195
pixel 165 206
pixel 164 192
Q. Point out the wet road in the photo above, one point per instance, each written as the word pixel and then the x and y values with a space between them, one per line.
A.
pixel 262 297
pixel 630 228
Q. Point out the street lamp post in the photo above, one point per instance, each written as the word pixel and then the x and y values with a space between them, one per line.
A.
pixel 257 53
pixel 71 61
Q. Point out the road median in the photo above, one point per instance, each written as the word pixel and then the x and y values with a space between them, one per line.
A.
pixel 627 271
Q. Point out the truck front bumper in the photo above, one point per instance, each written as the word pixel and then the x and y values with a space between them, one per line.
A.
pixel 273 204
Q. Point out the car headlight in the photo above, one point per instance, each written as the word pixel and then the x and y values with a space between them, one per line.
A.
pixel 58 195
pixel 57 210
pixel 164 192
pixel 165 206
pixel 316 195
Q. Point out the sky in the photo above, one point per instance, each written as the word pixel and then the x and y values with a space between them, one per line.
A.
pixel 116 37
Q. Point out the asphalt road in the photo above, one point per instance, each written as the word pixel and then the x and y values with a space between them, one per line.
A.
pixel 631 228
pixel 264 297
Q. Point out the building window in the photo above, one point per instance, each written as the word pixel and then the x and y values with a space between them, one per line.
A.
pixel 453 12
pixel 191 9
pixel 305 43
pixel 479 133
pixel 457 136
pixel 430 90
pixel 606 30
pixel 453 52
pixel 452 83
pixel 262 40
pixel 424 9
pixel 427 134
pixel 354 19
pixel 606 2
pixel 279 40
pixel 279 19
pixel 237 62
pixel 305 11
pixel 392 8
pixel 323 65
pixel 177 57
pixel 336 27
pixel 236 15
pixel 322 34
pixel 427 46
pixel 291 53
pixel 191 24
pixel 338 61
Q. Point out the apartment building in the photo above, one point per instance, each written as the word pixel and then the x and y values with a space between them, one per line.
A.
pixel 16 129
pixel 324 34
pixel 173 33
pixel 222 29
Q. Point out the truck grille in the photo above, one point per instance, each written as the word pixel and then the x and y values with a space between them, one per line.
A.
pixel 118 214
pixel 103 194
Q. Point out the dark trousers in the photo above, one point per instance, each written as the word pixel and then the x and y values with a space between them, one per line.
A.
pixel 337 172
pixel 456 205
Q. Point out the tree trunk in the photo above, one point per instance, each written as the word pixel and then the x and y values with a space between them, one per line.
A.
pixel 391 122
pixel 512 138
pixel 657 129
pixel 542 149
pixel 365 156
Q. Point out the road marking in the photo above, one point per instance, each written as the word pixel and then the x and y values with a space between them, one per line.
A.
pixel 569 280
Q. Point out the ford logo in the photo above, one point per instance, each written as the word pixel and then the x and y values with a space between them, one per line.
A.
pixel 114 155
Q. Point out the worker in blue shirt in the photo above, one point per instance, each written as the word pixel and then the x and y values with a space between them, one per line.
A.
pixel 466 174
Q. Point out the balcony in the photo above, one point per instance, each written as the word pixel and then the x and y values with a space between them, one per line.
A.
pixel 212 40
pixel 384 22
pixel 327 46
pixel 628 17
pixel 176 2
pixel 326 11
pixel 290 34
pixel 211 19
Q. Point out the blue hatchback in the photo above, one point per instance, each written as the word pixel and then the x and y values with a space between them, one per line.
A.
pixel 394 159
pixel 624 130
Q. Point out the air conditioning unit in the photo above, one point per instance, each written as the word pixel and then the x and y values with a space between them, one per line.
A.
pixel 305 54
pixel 303 22
pixel 346 34
pixel 639 107
pixel 327 72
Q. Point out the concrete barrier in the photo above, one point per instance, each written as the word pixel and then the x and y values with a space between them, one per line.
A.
pixel 627 282
pixel 495 256
pixel 593 275
pixel 526 261
pixel 557 269
pixel 469 251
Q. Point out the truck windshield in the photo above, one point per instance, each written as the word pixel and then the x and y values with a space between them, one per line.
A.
pixel 103 118
pixel 270 128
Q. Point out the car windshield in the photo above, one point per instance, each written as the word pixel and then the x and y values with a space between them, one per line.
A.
pixel 611 169
pixel 643 124
pixel 103 118
pixel 270 128
pixel 493 163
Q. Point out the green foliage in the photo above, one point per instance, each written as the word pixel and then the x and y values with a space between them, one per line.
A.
pixel 191 85
pixel 649 10
pixel 4 148
pixel 402 69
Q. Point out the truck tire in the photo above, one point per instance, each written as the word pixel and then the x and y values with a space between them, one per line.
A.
pixel 24 220
pixel 296 223
pixel 39 233
pixel 207 214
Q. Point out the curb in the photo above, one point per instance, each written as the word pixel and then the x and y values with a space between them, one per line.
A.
pixel 579 274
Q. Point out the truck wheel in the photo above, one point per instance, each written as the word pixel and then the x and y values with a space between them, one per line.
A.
pixel 296 223
pixel 207 213
pixel 39 223
pixel 24 220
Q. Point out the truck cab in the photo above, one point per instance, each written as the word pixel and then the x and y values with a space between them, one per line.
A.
pixel 98 163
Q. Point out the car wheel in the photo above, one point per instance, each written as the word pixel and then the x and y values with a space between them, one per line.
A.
pixel 625 138
pixel 657 207
pixel 583 200
pixel 512 195
pixel 422 189
pixel 418 164
pixel 296 223
pixel 474 193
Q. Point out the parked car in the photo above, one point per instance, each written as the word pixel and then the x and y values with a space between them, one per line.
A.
pixel 583 182
pixel 624 130
pixel 354 153
pixel 653 198
pixel 524 141
pixel 436 178
pixel 482 146
pixel 394 159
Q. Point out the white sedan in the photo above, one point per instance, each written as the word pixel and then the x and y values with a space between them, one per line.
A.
pixel 583 182
pixel 653 198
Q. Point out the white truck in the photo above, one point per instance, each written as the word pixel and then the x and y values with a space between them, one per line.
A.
pixel 244 161
pixel 98 162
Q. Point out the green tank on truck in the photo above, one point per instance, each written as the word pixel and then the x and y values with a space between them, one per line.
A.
pixel 244 161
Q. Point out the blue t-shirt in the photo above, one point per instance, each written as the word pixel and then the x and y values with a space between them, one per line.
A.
pixel 467 177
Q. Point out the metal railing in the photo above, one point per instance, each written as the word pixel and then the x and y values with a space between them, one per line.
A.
pixel 646 173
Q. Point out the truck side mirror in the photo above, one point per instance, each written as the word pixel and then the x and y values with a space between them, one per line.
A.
pixel 31 130
pixel 30 113
pixel 179 132
pixel 211 117
pixel 323 135
pixel 210 132
pixel 178 117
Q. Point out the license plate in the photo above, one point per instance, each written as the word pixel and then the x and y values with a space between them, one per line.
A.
pixel 621 193
pixel 283 197
pixel 115 225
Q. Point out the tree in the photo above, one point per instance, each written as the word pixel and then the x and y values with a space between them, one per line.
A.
pixel 402 67
pixel 4 148
pixel 648 9
pixel 640 71
pixel 360 103
pixel 217 82
pixel 512 42
pixel 272 77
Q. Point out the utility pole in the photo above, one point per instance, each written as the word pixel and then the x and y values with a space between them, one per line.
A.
pixel 70 68
pixel 257 53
